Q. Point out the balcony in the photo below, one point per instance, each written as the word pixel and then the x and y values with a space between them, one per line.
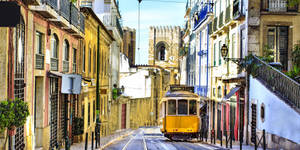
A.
pixel 194 9
pixel 82 25
pixel 202 16
pixel 39 61
pixel 119 27
pixel 74 15
pixel 228 14
pixel 65 66
pixel 86 4
pixel 221 18
pixel 65 9
pixel 54 64
pixel 237 10
pixel 278 6
pixel 277 81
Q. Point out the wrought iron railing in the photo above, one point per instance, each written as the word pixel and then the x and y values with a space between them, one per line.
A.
pixel 202 15
pixel 74 15
pixel 119 27
pixel 39 61
pixel 86 4
pixel 74 68
pixel 215 24
pixel 194 9
pixel 228 14
pixel 54 64
pixel 65 9
pixel 82 25
pixel 221 18
pixel 279 82
pixel 65 66
pixel 278 6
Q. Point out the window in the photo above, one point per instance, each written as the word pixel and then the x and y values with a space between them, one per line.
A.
pixel 94 110
pixel 90 67
pixel 262 112
pixel 219 92
pixel 54 46
pixel 89 113
pixel 233 51
pixel 161 51
pixel 220 45
pixel 83 59
pixel 66 50
pixel 172 107
pixel 214 91
pixel 74 55
pixel 182 107
pixel 215 54
pixel 39 46
pixel 192 107
pixel 95 63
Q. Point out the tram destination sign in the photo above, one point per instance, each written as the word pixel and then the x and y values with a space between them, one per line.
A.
pixel 174 88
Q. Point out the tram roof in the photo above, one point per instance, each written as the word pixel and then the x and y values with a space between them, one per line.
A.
pixel 181 94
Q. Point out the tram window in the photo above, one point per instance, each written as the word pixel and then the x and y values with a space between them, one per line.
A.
pixel 193 107
pixel 182 107
pixel 172 107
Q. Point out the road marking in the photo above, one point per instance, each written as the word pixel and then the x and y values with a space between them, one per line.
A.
pixel 144 141
pixel 124 148
pixel 207 146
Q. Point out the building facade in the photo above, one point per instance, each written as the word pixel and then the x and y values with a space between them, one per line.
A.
pixel 129 44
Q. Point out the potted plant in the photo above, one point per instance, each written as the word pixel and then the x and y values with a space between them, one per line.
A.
pixel 13 114
pixel 79 125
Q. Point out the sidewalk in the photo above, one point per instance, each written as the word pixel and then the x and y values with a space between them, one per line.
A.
pixel 235 146
pixel 104 141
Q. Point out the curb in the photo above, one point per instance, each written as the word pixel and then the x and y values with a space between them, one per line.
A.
pixel 116 139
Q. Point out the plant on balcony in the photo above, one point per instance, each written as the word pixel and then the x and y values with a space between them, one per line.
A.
pixel 296 54
pixel 268 54
pixel 13 114
pixel 294 73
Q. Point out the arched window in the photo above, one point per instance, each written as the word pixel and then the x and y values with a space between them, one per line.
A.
pixel 54 46
pixel 161 51
pixel 66 48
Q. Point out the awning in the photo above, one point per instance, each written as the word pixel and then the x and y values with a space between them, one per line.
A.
pixel 231 93
pixel 54 74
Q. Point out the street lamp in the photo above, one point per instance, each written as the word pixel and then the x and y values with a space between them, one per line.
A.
pixel 224 53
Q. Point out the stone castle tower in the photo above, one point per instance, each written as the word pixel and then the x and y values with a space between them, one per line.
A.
pixel 164 44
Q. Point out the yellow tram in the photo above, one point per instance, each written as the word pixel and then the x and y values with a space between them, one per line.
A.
pixel 180 113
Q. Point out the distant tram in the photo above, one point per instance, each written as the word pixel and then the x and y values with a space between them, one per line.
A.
pixel 180 113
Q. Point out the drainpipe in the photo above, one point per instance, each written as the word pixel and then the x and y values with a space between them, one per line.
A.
pixel 97 89
pixel 207 52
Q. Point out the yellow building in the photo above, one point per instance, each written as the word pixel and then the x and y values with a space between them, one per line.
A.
pixel 91 52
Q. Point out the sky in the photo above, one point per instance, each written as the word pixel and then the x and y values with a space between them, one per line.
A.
pixel 153 13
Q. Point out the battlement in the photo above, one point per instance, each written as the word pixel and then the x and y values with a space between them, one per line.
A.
pixel 165 29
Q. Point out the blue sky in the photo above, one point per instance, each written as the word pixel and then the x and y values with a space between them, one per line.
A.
pixel 152 14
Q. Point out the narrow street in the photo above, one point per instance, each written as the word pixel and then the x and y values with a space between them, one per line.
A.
pixel 152 139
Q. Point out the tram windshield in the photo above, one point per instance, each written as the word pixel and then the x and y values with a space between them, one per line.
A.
pixel 192 107
pixel 182 107
pixel 172 107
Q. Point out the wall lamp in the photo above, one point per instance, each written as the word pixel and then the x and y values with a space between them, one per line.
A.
pixel 224 53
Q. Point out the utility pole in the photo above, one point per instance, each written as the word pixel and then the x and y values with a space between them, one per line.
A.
pixel 97 90
pixel 139 28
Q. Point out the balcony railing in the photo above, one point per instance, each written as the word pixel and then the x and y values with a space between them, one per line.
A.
pixel 279 82
pixel 54 64
pixel 65 9
pixel 74 68
pixel 228 14
pixel 39 61
pixel 52 3
pixel 82 25
pixel 119 27
pixel 278 6
pixel 74 15
pixel 215 24
pixel 65 66
pixel 221 18
pixel 86 4
pixel 194 9
pixel 202 15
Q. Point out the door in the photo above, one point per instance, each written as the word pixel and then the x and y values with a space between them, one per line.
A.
pixel 53 111
pixel 123 119
pixel 277 39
